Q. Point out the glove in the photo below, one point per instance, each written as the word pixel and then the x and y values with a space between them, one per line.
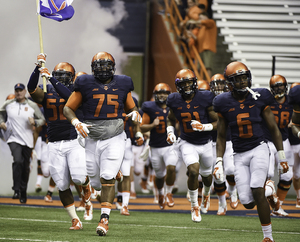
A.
pixel 135 116
pixel 41 59
pixel 139 138
pixel 145 153
pixel 218 170
pixel 81 128
pixel 197 126
pixel 45 73
pixel 283 163
pixel 171 138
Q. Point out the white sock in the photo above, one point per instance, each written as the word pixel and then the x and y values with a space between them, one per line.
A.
pixel 267 230
pixel 72 212
pixel 125 198
pixel 194 197
pixel 39 179
pixel 169 189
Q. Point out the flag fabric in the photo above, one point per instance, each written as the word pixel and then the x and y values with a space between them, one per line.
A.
pixel 58 10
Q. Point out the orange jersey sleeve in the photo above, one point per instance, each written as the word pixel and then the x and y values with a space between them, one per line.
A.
pixel 74 101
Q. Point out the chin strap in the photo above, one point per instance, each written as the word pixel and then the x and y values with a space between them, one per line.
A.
pixel 255 95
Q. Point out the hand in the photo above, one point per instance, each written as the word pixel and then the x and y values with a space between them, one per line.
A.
pixel 41 59
pixel 135 116
pixel 218 170
pixel 139 138
pixel 81 128
pixel 156 121
pixel 283 167
pixel 45 73
pixel 171 139
pixel 3 126
pixel 197 126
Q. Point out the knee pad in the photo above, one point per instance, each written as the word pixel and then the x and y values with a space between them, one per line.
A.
pixel 79 180
pixel 220 188
pixel 284 185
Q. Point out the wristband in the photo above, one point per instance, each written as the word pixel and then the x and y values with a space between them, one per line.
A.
pixel 138 134
pixel 281 155
pixel 219 159
pixel 75 121
pixel 208 127
pixel 170 129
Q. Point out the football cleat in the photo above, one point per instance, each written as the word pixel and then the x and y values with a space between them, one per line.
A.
pixel 273 199
pixel 86 193
pixel 222 209
pixel 170 200
pixel 76 224
pixel 88 213
pixel 234 200
pixel 298 203
pixel 161 201
pixel 119 176
pixel 102 228
pixel 48 198
pixel 124 211
pixel 268 240
pixel 143 185
pixel 205 203
pixel 132 195
pixel 81 206
pixel 38 188
pixel 195 212
pixel 280 212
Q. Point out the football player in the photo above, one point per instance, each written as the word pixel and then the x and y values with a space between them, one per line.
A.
pixel 163 158
pixel 103 96
pixel 294 100
pixel 193 109
pixel 203 85
pixel 66 156
pixel 217 86
pixel 282 111
pixel 243 110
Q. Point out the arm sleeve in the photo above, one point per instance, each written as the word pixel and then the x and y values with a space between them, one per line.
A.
pixel 63 91
pixel 33 80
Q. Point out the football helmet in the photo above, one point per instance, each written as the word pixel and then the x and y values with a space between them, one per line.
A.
pixel 295 84
pixel 103 66
pixel 203 85
pixel 64 72
pixel 236 73
pixel 79 74
pixel 218 84
pixel 161 88
pixel 278 86
pixel 186 82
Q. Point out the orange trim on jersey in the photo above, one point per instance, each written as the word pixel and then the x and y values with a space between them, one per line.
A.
pixel 298 125
pixel 74 101
pixel 106 205
pixel 108 185
pixel 266 107
pixel 33 91
pixel 145 119
pixel 296 111
pixel 69 205
pixel 129 103
pixel 220 115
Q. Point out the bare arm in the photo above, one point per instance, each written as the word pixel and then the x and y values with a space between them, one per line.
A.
pixel 296 120
pixel 221 136
pixel 213 116
pixel 273 128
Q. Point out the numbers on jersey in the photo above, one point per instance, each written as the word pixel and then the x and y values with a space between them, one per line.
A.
pixel 112 100
pixel 161 127
pixel 245 126
pixel 284 118
pixel 57 111
pixel 187 118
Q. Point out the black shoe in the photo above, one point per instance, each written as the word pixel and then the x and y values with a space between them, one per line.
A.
pixel 16 195
pixel 23 197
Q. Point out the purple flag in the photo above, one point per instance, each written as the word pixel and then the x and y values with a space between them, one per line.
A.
pixel 58 10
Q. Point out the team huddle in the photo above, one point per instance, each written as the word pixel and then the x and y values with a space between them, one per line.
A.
pixel 230 137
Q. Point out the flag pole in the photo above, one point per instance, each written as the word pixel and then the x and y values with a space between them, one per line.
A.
pixel 41 44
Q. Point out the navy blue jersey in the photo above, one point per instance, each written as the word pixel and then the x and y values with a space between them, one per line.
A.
pixel 59 128
pixel 103 101
pixel 244 117
pixel 196 109
pixel 283 114
pixel 293 96
pixel 158 135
